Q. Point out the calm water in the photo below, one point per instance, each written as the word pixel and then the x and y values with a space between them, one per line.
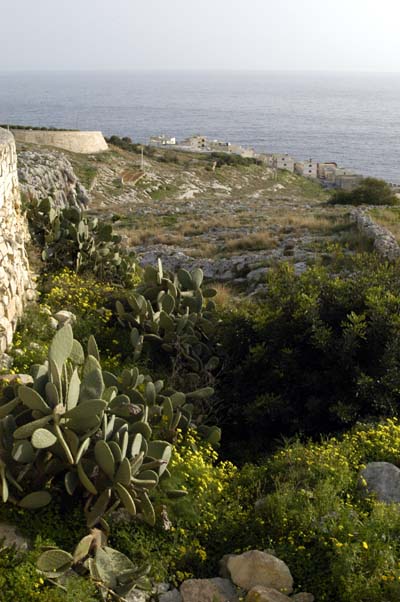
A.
pixel 353 119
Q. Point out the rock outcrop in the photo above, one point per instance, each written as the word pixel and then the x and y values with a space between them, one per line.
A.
pixel 44 174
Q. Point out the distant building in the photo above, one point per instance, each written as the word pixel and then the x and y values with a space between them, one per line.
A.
pixel 283 162
pixel 219 145
pixel 248 153
pixel 196 143
pixel 266 158
pixel 162 141
pixel 327 172
pixel 347 181
pixel 308 169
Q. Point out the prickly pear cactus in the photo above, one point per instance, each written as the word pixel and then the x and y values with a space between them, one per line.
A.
pixel 69 238
pixel 174 314
pixel 84 430
pixel 110 570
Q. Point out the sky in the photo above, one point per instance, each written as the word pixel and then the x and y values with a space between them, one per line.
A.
pixel 300 35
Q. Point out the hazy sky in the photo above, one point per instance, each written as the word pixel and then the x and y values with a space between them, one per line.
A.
pixel 360 35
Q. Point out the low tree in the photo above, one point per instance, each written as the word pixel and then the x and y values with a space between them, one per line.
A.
pixel 371 191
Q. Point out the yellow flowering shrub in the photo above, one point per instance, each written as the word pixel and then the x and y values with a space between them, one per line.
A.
pixel 306 503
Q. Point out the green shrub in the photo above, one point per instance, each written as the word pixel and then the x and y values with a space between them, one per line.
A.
pixel 371 191
pixel 319 353
pixel 232 159
pixel 305 502
pixel 21 582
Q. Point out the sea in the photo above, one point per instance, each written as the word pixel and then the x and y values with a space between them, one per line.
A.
pixel 350 118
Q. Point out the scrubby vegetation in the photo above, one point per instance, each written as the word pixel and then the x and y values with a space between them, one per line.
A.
pixel 318 354
pixel 115 445
pixel 371 191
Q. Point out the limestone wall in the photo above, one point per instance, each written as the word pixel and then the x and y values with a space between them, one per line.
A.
pixel 76 142
pixel 15 282
pixel 384 242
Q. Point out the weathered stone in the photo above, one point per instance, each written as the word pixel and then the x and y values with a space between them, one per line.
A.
pixel 383 480
pixel 384 241
pixel 259 568
pixel 265 594
pixel 14 268
pixel 9 536
pixel 172 596
pixel 208 590
pixel 223 568
pixel 48 174
pixel 136 595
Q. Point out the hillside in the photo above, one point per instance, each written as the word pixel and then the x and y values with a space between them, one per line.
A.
pixel 158 428
pixel 234 221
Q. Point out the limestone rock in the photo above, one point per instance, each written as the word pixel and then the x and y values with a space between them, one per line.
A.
pixel 172 596
pixel 223 568
pixel 208 590
pixel 259 568
pixel 383 479
pixel 136 596
pixel 10 537
pixel 266 594
pixel 302 597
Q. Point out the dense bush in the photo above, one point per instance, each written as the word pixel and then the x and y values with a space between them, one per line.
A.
pixel 316 355
pixel 232 159
pixel 371 191
pixel 305 502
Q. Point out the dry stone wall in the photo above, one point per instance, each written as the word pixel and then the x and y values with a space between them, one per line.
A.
pixel 15 281
pixel 384 242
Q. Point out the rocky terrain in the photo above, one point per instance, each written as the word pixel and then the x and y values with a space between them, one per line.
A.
pixel 234 221
pixel 49 173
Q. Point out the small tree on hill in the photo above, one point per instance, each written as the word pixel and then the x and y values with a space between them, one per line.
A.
pixel 371 191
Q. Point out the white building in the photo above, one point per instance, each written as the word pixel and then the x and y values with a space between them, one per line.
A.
pixel 162 141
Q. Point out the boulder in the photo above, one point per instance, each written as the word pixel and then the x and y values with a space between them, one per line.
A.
pixel 383 480
pixel 208 590
pixel 302 597
pixel 172 596
pixel 259 568
pixel 265 594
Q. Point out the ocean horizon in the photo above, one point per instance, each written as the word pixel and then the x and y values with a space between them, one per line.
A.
pixel 352 118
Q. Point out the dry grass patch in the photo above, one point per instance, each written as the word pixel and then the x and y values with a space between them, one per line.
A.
pixel 203 250
pixel 155 237
pixel 308 221
pixel 388 218
pixel 257 241
pixel 224 296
